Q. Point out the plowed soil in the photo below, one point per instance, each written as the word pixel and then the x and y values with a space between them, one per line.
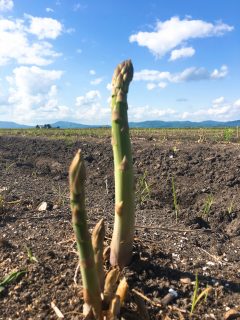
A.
pixel 198 235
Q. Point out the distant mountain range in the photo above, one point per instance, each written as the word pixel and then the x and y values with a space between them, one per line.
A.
pixel 144 124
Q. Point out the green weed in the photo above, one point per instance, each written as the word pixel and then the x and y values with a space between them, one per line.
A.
pixel 207 206
pixel 10 278
pixel 143 189
pixel 197 297
pixel 61 195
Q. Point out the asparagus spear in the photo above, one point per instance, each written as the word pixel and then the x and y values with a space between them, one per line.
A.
pixel 97 243
pixel 122 240
pixel 91 288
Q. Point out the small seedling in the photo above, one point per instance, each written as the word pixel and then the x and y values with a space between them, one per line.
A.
pixel 175 149
pixel 197 297
pixel 61 195
pixel 208 205
pixel 175 204
pixel 143 188
pixel 10 278
pixel 30 255
pixel 229 208
pixel 8 167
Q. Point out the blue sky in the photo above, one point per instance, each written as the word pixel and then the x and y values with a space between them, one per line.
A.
pixel 57 59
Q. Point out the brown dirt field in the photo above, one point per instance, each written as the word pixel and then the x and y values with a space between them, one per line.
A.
pixel 169 249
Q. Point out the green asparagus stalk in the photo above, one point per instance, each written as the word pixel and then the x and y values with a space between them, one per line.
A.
pixel 91 288
pixel 122 240
pixel 97 243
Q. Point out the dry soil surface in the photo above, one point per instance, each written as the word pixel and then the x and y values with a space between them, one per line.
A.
pixel 171 246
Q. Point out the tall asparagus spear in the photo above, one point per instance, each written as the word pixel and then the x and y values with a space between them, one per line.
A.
pixel 122 240
pixel 91 288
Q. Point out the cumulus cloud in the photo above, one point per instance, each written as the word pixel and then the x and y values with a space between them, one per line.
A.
pixel 237 103
pixel 189 74
pixel 6 5
pixel 33 94
pixel 96 81
pixel 218 101
pixel 150 113
pixel 92 96
pixel 182 53
pixel 220 110
pixel 151 75
pixel 175 32
pixel 151 85
pixel 44 28
pixel 217 74
pixel 90 107
pixel 92 72
pixel 21 48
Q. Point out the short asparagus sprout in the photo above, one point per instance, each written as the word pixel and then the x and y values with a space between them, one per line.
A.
pixel 90 281
pixel 30 255
pixel 122 240
pixel 97 243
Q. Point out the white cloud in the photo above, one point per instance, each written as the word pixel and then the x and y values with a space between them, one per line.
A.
pixel 237 103
pixel 96 81
pixel 109 87
pixel 90 109
pixel 49 10
pixel 189 74
pixel 182 53
pixel 22 48
pixel 162 85
pixel 89 98
pixel 151 75
pixel 218 100
pixel 6 5
pixel 44 27
pixel 219 111
pixel 174 32
pixel 33 94
pixel 217 74
pixel 92 72
pixel 149 113
pixel 151 85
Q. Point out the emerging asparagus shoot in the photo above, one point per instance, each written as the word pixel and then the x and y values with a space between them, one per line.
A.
pixel 90 281
pixel 122 240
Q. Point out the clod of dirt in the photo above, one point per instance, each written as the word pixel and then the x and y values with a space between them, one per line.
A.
pixel 233 229
pixel 198 223
pixel 231 314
